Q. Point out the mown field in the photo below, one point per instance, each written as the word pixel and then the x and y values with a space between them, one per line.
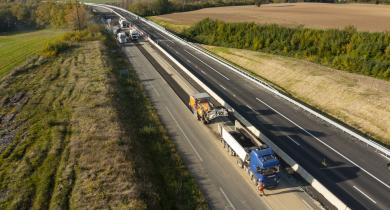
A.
pixel 77 132
pixel 365 17
pixel 16 48
pixel 360 101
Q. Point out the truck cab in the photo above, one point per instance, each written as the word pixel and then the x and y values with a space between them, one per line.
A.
pixel 264 166
pixel 134 34
pixel 122 38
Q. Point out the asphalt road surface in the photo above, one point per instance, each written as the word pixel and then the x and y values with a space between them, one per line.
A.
pixel 353 172
pixel 225 185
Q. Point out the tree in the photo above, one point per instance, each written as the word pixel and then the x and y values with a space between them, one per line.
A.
pixel 7 20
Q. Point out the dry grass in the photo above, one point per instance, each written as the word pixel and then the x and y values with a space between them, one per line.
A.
pixel 360 101
pixel 365 17
pixel 74 135
pixel 65 151
pixel 176 28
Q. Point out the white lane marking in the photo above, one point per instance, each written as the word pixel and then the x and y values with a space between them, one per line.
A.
pixel 227 198
pixel 385 156
pixel 334 150
pixel 203 72
pixel 222 87
pixel 165 37
pixel 157 93
pixel 266 203
pixel 207 65
pixel 372 200
pixel 293 140
pixel 308 206
pixel 188 140
pixel 234 95
pixel 250 108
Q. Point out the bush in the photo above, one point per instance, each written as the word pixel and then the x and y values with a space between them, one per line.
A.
pixel 55 47
pixel 93 32
pixel 349 50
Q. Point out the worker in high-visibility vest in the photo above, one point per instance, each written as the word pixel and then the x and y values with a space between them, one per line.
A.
pixel 260 188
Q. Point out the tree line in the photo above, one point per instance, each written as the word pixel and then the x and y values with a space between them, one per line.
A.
pixel 158 7
pixel 359 52
pixel 40 14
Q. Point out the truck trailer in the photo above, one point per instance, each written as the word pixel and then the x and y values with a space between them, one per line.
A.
pixel 260 162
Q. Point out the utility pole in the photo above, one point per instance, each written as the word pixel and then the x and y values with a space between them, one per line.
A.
pixel 78 17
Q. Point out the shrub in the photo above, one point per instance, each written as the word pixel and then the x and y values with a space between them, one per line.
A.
pixel 55 47
pixel 349 50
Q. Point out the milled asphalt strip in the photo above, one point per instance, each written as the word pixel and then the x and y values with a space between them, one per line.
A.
pixel 168 78
pixel 207 65
pixel 372 200
pixel 184 134
pixel 334 150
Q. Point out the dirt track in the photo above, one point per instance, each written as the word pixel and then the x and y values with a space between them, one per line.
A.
pixel 365 17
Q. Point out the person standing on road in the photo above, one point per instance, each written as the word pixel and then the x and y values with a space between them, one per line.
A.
pixel 261 187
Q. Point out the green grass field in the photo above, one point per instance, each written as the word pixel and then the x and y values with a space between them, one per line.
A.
pixel 16 48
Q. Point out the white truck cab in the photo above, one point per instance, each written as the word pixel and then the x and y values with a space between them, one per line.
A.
pixel 121 37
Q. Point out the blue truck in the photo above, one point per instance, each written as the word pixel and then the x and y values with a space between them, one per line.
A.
pixel 259 161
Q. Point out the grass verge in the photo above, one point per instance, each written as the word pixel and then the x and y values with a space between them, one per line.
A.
pixel 76 134
pixel 176 28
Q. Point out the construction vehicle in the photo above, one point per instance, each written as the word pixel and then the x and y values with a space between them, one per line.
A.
pixel 134 34
pixel 259 161
pixel 124 23
pixel 122 37
pixel 203 109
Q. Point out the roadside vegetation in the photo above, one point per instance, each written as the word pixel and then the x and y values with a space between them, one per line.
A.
pixel 75 133
pixel 358 52
pixel 78 132
pixel 35 14
pixel 176 28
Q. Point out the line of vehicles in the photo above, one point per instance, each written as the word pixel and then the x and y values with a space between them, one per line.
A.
pixel 257 159
pixel 125 32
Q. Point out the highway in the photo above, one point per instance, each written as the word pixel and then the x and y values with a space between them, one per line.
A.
pixel 354 173
pixel 225 185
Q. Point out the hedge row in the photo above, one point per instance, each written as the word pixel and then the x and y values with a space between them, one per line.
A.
pixel 359 52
